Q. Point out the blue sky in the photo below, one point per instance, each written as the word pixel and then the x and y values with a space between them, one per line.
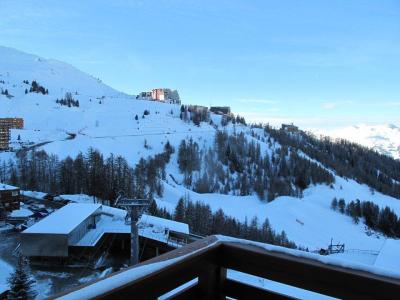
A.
pixel 315 63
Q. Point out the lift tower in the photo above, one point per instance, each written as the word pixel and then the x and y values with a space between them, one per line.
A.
pixel 134 208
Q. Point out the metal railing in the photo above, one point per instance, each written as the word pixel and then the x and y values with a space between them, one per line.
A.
pixel 208 260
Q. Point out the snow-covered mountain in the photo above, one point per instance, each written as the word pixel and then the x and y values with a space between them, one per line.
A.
pixel 383 138
pixel 58 77
pixel 106 120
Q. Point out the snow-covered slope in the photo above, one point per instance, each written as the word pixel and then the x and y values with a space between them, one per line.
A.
pixel 105 120
pixel 5 272
pixel 56 76
pixel 383 138
pixel 309 221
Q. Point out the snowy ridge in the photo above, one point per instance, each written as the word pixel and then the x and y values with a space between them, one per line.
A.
pixel 58 77
pixel 384 138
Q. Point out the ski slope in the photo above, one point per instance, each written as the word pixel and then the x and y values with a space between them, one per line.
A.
pixel 105 120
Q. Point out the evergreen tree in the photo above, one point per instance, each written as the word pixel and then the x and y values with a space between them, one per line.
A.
pixel 334 204
pixel 341 205
pixel 179 214
pixel 153 208
pixel 21 283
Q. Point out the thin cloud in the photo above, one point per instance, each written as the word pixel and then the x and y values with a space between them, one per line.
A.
pixel 335 104
pixel 329 105
pixel 392 104
pixel 255 101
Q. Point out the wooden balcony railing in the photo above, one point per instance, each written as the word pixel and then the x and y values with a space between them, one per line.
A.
pixel 207 261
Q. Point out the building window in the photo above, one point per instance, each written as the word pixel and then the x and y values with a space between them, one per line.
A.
pixel 14 193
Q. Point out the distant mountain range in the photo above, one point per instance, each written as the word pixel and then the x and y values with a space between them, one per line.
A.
pixel 383 138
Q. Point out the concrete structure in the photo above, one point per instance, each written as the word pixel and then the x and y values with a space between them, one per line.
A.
pixel 162 95
pixel 78 226
pixel 5 125
pixel 145 96
pixel 289 127
pixel 52 236
pixel 4 138
pixel 10 197
pixel 159 94
pixel 12 123
pixel 198 109
pixel 221 110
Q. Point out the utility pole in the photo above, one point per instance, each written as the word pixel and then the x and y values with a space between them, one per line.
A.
pixel 134 208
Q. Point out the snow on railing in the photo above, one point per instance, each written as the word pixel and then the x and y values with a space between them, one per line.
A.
pixel 208 260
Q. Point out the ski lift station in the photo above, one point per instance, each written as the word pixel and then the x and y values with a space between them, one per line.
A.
pixel 79 228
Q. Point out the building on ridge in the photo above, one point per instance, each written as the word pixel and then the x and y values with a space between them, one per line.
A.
pixel 164 95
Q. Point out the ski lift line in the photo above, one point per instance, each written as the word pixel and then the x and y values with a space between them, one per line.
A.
pixel 383 245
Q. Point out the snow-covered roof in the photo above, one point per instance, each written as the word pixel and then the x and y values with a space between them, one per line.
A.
pixel 34 194
pixel 64 220
pixel 7 187
pixel 116 212
pixel 113 221
pixel 21 213
pixel 78 198
pixel 160 222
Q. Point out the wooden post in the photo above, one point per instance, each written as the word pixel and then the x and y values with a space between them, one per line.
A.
pixel 211 282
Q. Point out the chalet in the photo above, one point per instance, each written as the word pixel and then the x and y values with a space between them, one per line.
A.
pixel 289 127
pixel 9 197
pixel 221 110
